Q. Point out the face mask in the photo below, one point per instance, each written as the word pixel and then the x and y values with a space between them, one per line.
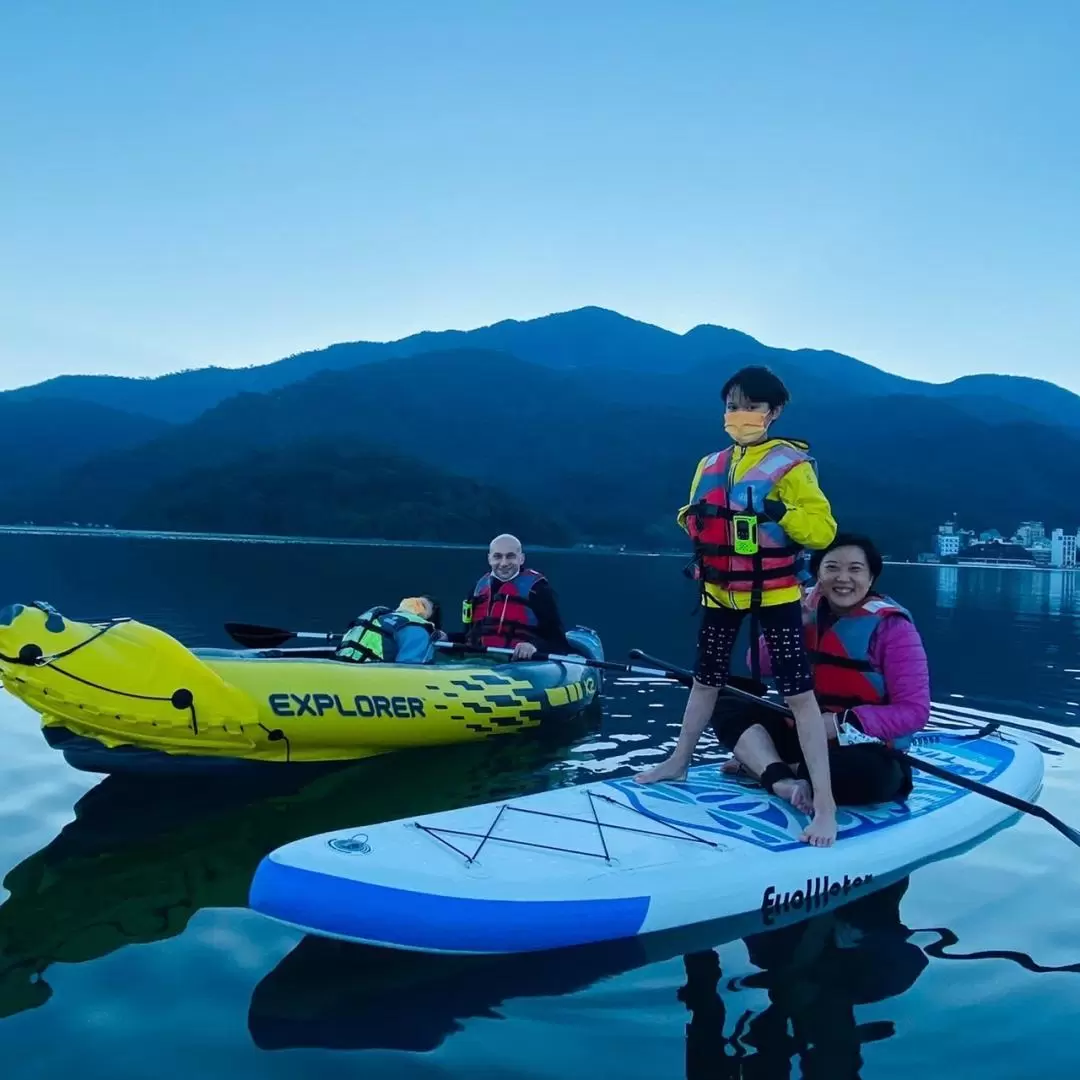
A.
pixel 745 426
pixel 507 573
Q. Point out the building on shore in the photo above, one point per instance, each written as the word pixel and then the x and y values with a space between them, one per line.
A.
pixel 997 553
pixel 1063 550
pixel 1030 533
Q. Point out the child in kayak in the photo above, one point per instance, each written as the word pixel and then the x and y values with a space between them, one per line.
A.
pixel 404 636
pixel 753 508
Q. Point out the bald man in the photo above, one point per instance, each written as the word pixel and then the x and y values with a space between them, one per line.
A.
pixel 511 607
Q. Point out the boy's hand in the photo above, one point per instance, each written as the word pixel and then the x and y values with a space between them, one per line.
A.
pixel 775 510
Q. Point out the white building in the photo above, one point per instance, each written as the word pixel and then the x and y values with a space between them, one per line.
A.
pixel 1030 533
pixel 948 544
pixel 1063 549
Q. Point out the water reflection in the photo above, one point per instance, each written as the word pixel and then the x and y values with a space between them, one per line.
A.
pixel 1063 598
pixel 335 995
pixel 1029 592
pixel 815 975
pixel 948 583
pixel 140 859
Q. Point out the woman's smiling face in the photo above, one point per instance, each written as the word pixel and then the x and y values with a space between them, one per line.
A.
pixel 844 577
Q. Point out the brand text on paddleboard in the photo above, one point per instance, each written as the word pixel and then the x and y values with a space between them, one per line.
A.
pixel 819 892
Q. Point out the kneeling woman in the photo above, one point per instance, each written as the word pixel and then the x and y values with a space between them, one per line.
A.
pixel 870 678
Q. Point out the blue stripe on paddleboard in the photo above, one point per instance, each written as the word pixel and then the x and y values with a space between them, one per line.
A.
pixel 346 908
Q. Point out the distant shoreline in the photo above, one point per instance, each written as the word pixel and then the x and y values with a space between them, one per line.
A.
pixel 330 541
pixel 342 541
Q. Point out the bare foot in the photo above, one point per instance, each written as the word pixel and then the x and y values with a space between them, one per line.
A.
pixel 797 792
pixel 733 767
pixel 821 832
pixel 666 770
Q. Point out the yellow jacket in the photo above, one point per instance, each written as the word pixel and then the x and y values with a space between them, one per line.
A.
pixel 808 521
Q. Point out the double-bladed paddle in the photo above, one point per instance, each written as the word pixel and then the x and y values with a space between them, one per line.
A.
pixel 1002 797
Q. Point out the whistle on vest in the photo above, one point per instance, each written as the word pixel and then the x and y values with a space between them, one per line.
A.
pixel 744 530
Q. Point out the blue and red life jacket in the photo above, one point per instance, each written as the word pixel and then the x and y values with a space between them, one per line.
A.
pixel 735 545
pixel 500 613
pixel 844 676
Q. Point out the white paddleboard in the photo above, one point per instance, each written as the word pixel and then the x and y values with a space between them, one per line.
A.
pixel 614 858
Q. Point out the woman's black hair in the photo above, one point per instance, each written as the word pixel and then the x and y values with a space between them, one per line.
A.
pixel 436 611
pixel 758 384
pixel 873 557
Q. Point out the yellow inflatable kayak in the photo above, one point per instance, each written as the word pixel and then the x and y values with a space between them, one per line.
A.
pixel 121 696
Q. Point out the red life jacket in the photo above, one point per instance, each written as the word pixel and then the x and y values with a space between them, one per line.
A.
pixel 844 677
pixel 500 613
pixel 718 500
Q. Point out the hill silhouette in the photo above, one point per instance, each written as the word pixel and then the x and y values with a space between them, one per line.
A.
pixel 589 339
pixel 326 489
pixel 602 456
pixel 40 439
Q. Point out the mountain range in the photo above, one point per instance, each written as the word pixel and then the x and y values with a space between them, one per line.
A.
pixel 581 426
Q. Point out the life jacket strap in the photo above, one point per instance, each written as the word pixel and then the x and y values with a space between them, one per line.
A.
pixel 788 551
pixel 851 663
pixel 757 573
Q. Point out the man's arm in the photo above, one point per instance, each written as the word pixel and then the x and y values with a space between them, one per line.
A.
pixel 550 627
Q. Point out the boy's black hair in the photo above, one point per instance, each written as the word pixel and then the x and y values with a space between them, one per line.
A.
pixel 758 384
pixel 873 557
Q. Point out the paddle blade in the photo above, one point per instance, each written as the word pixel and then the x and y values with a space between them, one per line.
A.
pixel 257 637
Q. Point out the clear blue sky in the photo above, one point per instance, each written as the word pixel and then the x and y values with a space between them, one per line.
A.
pixel 210 181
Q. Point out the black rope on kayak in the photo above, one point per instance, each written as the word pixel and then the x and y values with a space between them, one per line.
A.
pixel 31 655
pixel 179 699
pixel 75 648
pixel 108 689
pixel 677 833
pixel 277 735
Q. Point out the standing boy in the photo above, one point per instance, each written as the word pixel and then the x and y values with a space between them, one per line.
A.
pixel 753 508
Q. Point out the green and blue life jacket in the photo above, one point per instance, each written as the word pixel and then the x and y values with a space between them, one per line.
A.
pixel 374 636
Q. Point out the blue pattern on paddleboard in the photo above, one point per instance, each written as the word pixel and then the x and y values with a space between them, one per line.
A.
pixel 744 811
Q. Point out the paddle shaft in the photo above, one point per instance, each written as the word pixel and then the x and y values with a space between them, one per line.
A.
pixel 271 637
pixel 604 665
pixel 939 771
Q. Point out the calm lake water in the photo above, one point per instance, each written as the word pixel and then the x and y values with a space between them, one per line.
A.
pixel 126 950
